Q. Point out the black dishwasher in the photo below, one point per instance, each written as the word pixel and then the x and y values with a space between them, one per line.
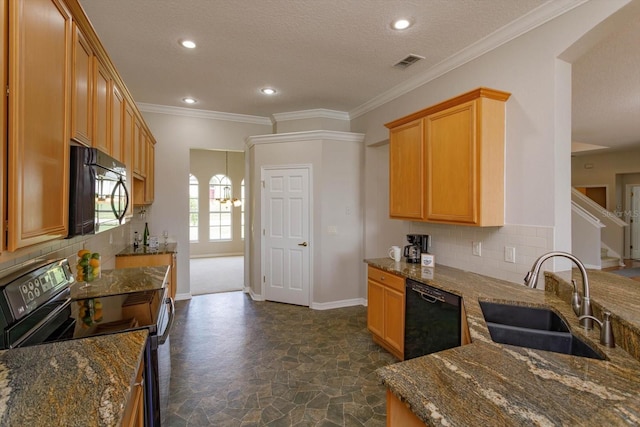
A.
pixel 432 320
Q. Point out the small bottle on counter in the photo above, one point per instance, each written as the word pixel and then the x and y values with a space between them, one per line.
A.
pixel 136 240
pixel 145 236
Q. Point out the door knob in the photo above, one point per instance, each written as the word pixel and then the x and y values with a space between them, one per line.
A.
pixel 302 244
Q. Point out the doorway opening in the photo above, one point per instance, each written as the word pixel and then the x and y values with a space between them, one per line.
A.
pixel 216 221
pixel 596 193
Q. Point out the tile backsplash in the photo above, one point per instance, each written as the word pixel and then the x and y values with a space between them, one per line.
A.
pixel 452 246
pixel 108 243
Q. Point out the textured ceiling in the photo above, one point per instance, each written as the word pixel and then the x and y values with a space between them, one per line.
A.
pixel 319 54
pixel 606 88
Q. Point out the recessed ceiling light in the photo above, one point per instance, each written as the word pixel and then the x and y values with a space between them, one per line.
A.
pixel 401 24
pixel 189 100
pixel 188 44
pixel 268 91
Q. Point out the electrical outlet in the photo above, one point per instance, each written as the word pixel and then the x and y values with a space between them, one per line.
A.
pixel 476 248
pixel 510 254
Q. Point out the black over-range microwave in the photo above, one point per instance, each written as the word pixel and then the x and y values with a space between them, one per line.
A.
pixel 98 196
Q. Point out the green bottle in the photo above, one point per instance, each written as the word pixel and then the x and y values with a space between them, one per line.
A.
pixel 145 236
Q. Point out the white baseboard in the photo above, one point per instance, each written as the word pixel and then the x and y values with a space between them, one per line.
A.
pixel 254 296
pixel 180 297
pixel 317 305
pixel 337 304
pixel 216 255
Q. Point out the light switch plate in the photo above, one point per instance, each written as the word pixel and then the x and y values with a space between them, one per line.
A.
pixel 476 248
pixel 510 254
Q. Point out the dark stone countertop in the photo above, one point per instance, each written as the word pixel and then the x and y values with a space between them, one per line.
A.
pixel 169 248
pixel 486 383
pixel 122 281
pixel 85 382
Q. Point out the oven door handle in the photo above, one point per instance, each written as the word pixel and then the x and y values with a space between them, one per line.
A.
pixel 38 325
pixel 429 298
pixel 172 316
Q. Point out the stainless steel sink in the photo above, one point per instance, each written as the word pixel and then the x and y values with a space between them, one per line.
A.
pixel 536 328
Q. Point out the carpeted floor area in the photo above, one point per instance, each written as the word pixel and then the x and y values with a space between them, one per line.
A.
pixel 218 274
pixel 627 272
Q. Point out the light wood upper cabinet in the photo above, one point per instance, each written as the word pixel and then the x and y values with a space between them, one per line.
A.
pixel 149 183
pixel 81 89
pixel 144 188
pixel 460 144
pixel 3 120
pixel 127 151
pixel 116 111
pixel 406 168
pixel 452 165
pixel 138 148
pixel 101 107
pixel 40 45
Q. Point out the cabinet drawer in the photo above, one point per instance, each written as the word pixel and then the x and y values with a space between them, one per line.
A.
pixel 386 278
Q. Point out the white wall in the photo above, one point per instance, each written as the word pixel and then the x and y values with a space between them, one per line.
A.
pixel 336 164
pixel 538 128
pixel 175 136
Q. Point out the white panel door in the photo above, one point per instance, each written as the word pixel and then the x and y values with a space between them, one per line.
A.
pixel 286 235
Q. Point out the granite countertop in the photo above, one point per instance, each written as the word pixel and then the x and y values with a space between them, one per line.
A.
pixel 122 281
pixel 84 382
pixel 486 383
pixel 169 248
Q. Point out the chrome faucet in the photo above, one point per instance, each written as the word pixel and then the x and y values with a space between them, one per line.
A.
pixel 581 305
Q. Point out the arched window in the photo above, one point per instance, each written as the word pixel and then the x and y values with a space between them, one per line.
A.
pixel 193 208
pixel 242 209
pixel 220 208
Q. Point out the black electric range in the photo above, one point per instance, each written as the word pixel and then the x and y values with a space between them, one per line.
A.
pixel 43 303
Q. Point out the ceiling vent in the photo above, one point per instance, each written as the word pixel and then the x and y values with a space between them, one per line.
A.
pixel 409 60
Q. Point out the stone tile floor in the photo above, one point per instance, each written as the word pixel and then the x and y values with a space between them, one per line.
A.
pixel 239 362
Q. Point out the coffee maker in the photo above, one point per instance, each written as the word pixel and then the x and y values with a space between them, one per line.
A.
pixel 419 244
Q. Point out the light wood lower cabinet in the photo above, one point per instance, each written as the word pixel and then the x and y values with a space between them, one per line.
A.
pixel 153 260
pixel 385 311
pixel 134 411
pixel 398 415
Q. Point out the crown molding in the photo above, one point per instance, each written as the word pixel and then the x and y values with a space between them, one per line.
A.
pixel 279 138
pixel 526 23
pixel 204 114
pixel 319 113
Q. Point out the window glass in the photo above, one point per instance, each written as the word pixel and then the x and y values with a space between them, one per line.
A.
pixel 242 210
pixel 193 208
pixel 220 203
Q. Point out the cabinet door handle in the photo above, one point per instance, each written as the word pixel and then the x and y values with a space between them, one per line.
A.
pixel 302 244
